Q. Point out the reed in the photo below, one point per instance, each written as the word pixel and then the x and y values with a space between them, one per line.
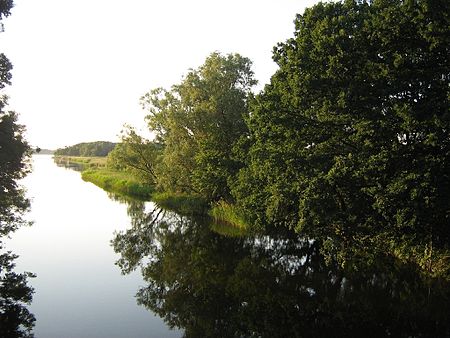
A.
pixel 223 212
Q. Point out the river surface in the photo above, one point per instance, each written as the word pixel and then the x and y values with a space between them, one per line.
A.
pixel 106 266
pixel 79 291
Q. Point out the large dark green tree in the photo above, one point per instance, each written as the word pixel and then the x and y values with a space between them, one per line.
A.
pixel 199 122
pixel 15 319
pixel 351 137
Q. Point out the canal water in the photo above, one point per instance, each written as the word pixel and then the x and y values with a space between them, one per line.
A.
pixel 79 291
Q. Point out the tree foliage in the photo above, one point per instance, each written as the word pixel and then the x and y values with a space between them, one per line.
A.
pixel 351 136
pixel 13 166
pixel 14 152
pixel 15 319
pixel 136 155
pixel 199 122
pixel 5 11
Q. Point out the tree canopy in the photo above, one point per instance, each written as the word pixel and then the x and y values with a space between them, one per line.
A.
pixel 198 122
pixel 137 155
pixel 351 136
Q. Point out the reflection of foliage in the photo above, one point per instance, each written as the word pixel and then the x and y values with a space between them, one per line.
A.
pixel 15 319
pixel 135 244
pixel 215 286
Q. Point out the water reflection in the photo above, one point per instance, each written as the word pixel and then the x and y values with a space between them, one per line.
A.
pixel 272 286
pixel 15 318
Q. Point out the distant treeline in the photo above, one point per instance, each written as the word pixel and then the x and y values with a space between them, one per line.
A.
pixel 99 148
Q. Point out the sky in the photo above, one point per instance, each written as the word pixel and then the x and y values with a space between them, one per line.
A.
pixel 80 66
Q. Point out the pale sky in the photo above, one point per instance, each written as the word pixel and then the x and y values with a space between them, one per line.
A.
pixel 80 66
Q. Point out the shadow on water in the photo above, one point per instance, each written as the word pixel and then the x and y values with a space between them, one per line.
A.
pixel 272 286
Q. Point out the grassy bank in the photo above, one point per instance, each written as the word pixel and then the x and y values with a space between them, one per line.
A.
pixel 228 213
pixel 227 219
pixel 184 204
pixel 95 170
pixel 118 182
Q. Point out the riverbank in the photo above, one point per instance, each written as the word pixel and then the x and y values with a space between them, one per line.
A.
pixel 96 171
pixel 228 220
pixel 118 182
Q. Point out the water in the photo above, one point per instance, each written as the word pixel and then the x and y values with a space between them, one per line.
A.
pixel 79 291
pixel 277 285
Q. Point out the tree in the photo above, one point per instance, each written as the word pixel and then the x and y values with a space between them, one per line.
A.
pixel 15 319
pixel 199 122
pixel 14 152
pixel 13 166
pixel 351 137
pixel 137 155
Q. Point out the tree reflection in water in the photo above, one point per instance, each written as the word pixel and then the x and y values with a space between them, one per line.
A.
pixel 272 286
pixel 15 318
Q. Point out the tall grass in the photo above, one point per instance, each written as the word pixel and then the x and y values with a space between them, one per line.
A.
pixel 118 182
pixel 184 204
pixel 224 213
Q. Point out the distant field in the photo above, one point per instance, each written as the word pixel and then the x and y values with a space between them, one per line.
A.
pixel 87 162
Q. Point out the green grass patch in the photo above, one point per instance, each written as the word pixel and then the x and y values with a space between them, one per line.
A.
pixel 118 182
pixel 229 220
pixel 184 204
